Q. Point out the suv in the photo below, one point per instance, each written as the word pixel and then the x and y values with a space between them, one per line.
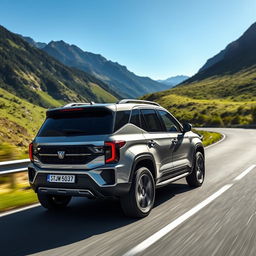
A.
pixel 123 150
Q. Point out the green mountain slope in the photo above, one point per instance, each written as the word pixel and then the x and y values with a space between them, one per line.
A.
pixel 33 75
pixel 19 122
pixel 223 92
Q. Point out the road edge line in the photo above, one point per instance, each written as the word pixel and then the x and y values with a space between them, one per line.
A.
pixel 169 227
pixel 19 210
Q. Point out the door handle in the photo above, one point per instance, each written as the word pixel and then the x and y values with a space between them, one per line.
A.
pixel 151 143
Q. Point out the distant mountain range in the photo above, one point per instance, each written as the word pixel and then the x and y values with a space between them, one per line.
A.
pixel 31 74
pixel 223 92
pixel 174 80
pixel 118 77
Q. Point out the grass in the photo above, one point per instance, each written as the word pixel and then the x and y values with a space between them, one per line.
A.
pixel 223 100
pixel 17 198
pixel 102 94
pixel 207 112
pixel 19 122
pixel 209 137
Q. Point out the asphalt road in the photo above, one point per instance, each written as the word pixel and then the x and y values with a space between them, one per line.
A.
pixel 217 219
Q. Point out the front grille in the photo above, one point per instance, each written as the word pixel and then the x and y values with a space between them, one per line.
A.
pixel 75 154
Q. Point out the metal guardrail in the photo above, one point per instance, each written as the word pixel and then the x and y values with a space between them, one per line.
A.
pixel 11 167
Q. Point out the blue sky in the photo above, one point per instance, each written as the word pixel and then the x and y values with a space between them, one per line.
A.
pixel 156 38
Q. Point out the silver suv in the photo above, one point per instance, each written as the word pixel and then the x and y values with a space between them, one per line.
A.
pixel 124 150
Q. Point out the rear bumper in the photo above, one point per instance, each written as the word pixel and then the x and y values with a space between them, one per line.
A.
pixel 95 183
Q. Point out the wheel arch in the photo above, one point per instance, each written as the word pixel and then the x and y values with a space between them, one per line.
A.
pixel 144 160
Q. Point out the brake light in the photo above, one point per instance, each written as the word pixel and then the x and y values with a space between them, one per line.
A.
pixel 112 151
pixel 70 109
pixel 31 152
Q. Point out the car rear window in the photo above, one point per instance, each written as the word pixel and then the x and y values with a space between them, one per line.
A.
pixel 78 123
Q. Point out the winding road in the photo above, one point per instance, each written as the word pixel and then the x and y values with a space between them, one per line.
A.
pixel 217 219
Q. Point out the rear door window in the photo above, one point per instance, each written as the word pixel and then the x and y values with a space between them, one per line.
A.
pixel 135 117
pixel 78 123
pixel 151 122
pixel 122 118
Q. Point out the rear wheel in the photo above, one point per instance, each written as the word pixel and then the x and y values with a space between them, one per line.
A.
pixel 53 202
pixel 140 200
pixel 196 178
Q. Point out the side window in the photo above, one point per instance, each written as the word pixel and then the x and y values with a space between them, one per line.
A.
pixel 152 122
pixel 122 118
pixel 168 121
pixel 135 117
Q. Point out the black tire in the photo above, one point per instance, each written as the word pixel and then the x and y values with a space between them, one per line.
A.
pixel 53 202
pixel 196 178
pixel 140 200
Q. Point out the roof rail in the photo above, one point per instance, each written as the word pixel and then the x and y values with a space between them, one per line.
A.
pixel 73 104
pixel 137 101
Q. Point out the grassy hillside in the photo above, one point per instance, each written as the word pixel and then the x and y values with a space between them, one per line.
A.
pixel 19 122
pixel 214 112
pixel 31 74
pixel 223 92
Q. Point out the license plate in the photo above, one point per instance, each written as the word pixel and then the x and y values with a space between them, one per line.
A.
pixel 61 178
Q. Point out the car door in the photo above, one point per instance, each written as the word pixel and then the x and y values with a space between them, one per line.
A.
pixel 159 144
pixel 180 143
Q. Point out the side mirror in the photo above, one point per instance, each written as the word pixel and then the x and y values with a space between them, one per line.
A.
pixel 187 127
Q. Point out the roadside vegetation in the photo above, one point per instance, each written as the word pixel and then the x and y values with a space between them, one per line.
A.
pixel 15 195
pixel 209 137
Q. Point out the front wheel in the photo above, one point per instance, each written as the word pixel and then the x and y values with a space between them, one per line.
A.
pixel 196 178
pixel 53 202
pixel 141 197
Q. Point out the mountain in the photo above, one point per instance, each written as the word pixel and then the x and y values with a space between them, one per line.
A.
pixel 118 77
pixel 31 74
pixel 238 55
pixel 174 80
pixel 31 41
pixel 223 92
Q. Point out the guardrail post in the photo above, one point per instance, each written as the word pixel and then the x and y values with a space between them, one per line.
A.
pixel 13 181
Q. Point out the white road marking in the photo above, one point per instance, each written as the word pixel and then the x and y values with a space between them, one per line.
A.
pixel 19 210
pixel 162 232
pixel 240 176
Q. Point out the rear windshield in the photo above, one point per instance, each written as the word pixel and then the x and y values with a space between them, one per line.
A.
pixel 80 123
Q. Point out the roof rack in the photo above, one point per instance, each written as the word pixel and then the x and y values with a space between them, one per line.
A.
pixel 137 101
pixel 73 104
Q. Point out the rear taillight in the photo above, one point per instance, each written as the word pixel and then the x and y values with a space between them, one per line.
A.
pixel 31 152
pixel 112 151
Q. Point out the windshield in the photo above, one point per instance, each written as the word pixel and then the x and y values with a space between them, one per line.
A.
pixel 87 122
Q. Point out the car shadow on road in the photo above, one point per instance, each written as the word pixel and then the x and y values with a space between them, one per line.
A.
pixel 37 230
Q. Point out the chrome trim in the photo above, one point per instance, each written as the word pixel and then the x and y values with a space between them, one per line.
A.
pixel 88 154
pixel 95 163
pixel 165 182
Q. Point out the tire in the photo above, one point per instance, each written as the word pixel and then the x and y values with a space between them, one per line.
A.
pixel 196 178
pixel 53 202
pixel 140 200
